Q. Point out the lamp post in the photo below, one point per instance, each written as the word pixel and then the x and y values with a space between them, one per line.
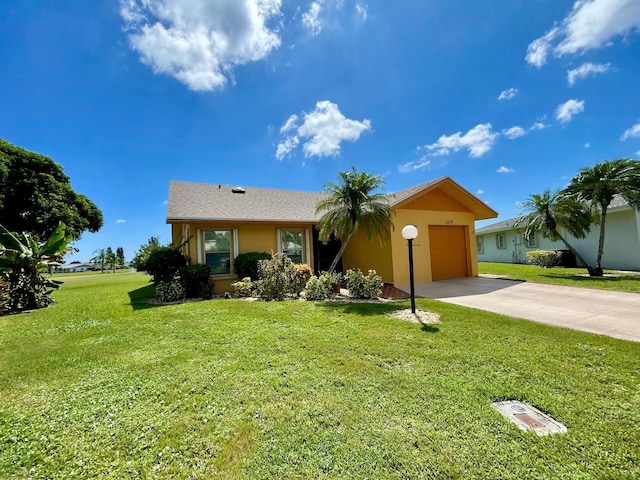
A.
pixel 409 233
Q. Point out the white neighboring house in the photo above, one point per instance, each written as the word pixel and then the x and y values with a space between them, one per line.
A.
pixel 502 242
pixel 76 267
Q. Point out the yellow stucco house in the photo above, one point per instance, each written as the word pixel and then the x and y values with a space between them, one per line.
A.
pixel 218 222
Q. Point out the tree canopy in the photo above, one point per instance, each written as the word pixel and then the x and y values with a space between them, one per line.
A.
pixel 352 202
pixel 36 195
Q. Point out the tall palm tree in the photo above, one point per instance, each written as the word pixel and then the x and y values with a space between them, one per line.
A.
pixel 351 203
pixel 100 256
pixel 550 212
pixel 598 185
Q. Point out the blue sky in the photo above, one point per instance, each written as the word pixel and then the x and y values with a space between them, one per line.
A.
pixel 506 97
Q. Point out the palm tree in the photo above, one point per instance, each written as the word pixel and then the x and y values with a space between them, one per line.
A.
pixel 100 255
pixel 550 212
pixel 351 204
pixel 598 185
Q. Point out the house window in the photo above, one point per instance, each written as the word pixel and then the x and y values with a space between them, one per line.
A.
pixel 294 244
pixel 501 242
pixel 531 241
pixel 480 244
pixel 218 251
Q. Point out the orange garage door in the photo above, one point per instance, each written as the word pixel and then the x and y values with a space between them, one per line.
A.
pixel 448 249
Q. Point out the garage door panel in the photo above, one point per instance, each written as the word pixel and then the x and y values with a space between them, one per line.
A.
pixel 448 250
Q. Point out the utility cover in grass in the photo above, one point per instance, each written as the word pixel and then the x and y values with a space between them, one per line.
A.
pixel 527 417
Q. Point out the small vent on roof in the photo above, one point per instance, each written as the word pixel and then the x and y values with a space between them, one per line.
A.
pixel 238 190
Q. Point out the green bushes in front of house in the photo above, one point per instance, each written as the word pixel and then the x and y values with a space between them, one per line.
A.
pixel 543 258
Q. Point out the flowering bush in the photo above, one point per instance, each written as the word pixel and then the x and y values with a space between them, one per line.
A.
pixel 361 286
pixel 171 291
pixel 275 277
pixel 301 275
pixel 245 287
pixel 317 288
pixel 542 258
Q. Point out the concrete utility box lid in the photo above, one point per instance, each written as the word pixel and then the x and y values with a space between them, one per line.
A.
pixel 527 417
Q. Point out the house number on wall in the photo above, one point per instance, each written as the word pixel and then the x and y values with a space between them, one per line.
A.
pixel 448 222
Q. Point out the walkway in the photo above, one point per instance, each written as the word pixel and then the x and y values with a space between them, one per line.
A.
pixel 616 314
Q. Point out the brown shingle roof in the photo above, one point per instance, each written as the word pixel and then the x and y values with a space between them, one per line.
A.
pixel 206 201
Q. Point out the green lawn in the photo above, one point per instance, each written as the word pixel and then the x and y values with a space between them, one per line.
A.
pixel 570 277
pixel 104 385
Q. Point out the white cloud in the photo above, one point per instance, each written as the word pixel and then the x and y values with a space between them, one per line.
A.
pixel 514 132
pixel 632 132
pixel 591 24
pixel 508 94
pixel 120 220
pixel 325 128
pixel 311 18
pixel 413 166
pixel 504 169
pixel 480 192
pixel 538 50
pixel 290 124
pixel 478 141
pixel 585 70
pixel 199 42
pixel 567 110
pixel 538 126
pixel 587 145
pixel 362 11
pixel 286 147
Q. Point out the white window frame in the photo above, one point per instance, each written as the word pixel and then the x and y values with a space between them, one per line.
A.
pixel 306 236
pixel 501 245
pixel 480 244
pixel 532 242
pixel 234 246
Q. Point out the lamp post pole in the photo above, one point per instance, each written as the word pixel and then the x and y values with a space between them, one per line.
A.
pixel 413 291
pixel 409 233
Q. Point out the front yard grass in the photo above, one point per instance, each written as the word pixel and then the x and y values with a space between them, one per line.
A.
pixel 568 277
pixel 105 385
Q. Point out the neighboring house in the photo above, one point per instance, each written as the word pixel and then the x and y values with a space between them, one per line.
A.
pixel 74 267
pixel 502 242
pixel 217 222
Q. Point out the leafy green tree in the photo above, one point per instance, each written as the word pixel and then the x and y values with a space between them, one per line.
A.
pixel 99 256
pixel 550 212
pixel 139 261
pixel 598 185
pixel 111 259
pixel 352 203
pixel 23 262
pixel 36 195
pixel 120 255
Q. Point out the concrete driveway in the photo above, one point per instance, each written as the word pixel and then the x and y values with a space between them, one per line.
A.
pixel 615 314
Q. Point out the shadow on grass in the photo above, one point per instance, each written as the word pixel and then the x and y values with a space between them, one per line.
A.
pixel 363 308
pixel 139 298
pixel 429 328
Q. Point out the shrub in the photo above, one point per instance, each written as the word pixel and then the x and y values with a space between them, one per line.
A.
pixel 301 276
pixel 171 291
pixel 317 288
pixel 275 277
pixel 246 264
pixel 543 258
pixel 196 280
pixel 360 286
pixel 5 297
pixel 164 263
pixel 245 287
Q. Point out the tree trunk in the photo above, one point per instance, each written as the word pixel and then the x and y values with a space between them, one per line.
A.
pixel 590 269
pixel 339 254
pixel 603 220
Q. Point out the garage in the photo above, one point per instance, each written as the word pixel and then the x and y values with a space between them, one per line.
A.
pixel 448 250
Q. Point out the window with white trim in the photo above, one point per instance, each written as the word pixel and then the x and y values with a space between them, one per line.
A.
pixel 218 250
pixel 294 243
pixel 501 241
pixel 480 244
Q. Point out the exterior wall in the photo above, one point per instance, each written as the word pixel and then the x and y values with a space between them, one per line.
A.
pixel 621 245
pixel 421 248
pixel 368 255
pixel 252 237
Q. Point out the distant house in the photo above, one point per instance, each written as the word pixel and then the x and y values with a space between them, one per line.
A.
pixel 502 242
pixel 217 222
pixel 75 267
